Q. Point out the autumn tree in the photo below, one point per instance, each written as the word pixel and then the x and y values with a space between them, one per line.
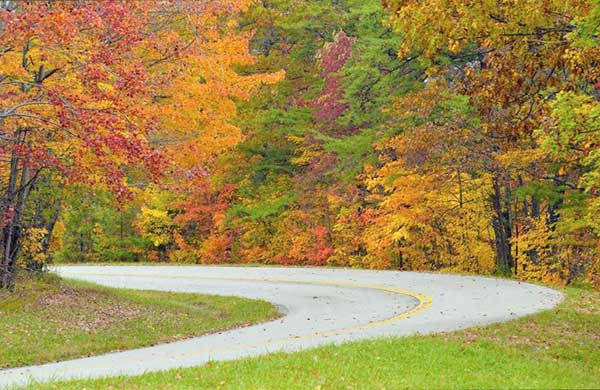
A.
pixel 512 60
pixel 198 126
pixel 90 88
pixel 69 79
pixel 439 135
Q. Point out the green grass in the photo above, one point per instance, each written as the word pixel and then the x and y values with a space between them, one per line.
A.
pixel 555 349
pixel 48 319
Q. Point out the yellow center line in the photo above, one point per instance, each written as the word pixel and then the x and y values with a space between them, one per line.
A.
pixel 424 302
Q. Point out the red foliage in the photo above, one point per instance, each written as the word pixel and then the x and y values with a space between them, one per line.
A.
pixel 329 104
pixel 82 87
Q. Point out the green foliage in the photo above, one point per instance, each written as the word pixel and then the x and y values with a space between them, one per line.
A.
pixel 375 74
pixel 95 229
pixel 352 152
pixel 263 211
pixel 431 135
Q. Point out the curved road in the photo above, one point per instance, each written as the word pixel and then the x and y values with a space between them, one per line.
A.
pixel 320 306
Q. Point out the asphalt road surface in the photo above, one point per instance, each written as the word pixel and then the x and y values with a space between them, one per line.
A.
pixel 321 305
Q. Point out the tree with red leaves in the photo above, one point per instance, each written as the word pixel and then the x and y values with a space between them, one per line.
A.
pixel 330 104
pixel 89 89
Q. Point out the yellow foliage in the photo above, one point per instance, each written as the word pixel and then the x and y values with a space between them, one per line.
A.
pixel 155 225
pixel 56 240
pixel 32 249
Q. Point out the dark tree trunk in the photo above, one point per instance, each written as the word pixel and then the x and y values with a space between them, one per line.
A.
pixel 535 213
pixel 50 226
pixel 9 231
pixel 12 233
pixel 502 229
pixel 554 208
pixel 19 183
pixel 535 206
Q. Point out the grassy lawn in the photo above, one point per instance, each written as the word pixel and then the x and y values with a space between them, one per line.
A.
pixel 555 349
pixel 48 319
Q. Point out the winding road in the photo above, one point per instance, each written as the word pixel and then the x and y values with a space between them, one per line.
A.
pixel 320 306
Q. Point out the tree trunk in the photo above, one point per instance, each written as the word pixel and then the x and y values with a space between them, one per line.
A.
pixel 16 196
pixel 554 208
pixel 8 232
pixel 501 225
pixel 16 245
pixel 12 234
pixel 50 226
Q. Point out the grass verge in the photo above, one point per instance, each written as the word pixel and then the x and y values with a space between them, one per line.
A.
pixel 48 319
pixel 554 349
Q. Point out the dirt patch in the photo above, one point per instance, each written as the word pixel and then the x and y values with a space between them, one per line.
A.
pixel 84 309
pixel 589 303
pixel 63 296
pixel 472 336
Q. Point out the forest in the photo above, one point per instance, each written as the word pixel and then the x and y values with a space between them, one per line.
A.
pixel 445 135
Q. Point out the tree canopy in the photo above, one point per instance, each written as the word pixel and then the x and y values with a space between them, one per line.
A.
pixel 440 135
